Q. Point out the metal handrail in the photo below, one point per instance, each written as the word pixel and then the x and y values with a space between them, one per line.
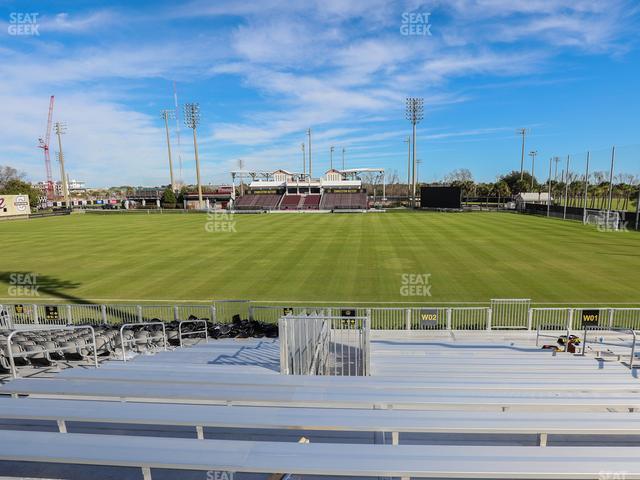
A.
pixel 614 329
pixel 126 325
pixel 538 335
pixel 197 320
pixel 14 371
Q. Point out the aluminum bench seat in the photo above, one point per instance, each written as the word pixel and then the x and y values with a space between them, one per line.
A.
pixel 352 420
pixel 601 368
pixel 379 382
pixel 323 397
pixel 320 459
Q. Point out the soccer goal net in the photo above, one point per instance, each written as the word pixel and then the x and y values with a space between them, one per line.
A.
pixel 603 219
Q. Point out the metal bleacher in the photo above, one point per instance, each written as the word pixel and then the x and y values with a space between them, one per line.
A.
pixel 430 408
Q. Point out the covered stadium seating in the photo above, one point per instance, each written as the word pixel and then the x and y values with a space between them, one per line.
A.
pixel 258 202
pixel 290 202
pixel 311 202
pixel 344 201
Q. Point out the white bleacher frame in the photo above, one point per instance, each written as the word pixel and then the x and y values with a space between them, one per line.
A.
pixel 47 328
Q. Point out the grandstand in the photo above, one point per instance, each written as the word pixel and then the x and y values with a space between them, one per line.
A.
pixel 474 405
pixel 336 190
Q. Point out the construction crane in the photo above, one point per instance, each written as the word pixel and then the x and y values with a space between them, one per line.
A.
pixel 44 145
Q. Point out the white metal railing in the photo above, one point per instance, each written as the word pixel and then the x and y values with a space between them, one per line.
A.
pixel 541 327
pixel 603 330
pixel 510 312
pixel 324 345
pixel 39 349
pixel 193 332
pixel 124 326
pixel 501 314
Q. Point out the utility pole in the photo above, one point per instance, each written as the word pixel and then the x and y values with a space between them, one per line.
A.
pixel 166 115
pixel 555 175
pixel 343 150
pixel 61 129
pixel 523 132
pixel 566 191
pixel 310 164
pixel 191 120
pixel 586 189
pixel 415 114
pixel 533 154
pixel 408 142
pixel 549 198
pixel 304 161
pixel 331 157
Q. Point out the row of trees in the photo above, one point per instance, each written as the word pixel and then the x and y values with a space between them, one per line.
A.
pixel 13 182
pixel 624 193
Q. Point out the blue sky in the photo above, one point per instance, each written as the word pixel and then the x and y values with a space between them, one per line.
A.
pixel 264 72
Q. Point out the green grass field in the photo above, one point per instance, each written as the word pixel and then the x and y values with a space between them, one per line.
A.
pixel 471 257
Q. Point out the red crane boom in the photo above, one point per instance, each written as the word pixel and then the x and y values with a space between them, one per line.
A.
pixel 44 145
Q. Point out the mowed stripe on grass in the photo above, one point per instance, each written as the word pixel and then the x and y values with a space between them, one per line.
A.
pixel 471 257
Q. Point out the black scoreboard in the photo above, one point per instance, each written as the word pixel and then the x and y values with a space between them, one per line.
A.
pixel 440 197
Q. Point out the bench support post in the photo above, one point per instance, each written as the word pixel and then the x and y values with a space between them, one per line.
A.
pixel 199 432
pixel 395 438
pixel 62 426
pixel 542 439
pixel 146 473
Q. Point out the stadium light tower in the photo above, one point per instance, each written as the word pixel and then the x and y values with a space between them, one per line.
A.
pixel 304 161
pixel 61 129
pixel 533 154
pixel 415 114
pixel 343 150
pixel 331 149
pixel 523 132
pixel 407 140
pixel 166 115
pixel 310 164
pixel 191 120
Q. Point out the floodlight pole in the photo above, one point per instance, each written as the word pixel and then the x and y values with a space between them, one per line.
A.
pixel 310 164
pixel 414 113
pixel 343 150
pixel 195 150
pixel 533 154
pixel 566 190
pixel 192 119
pixel 166 114
pixel 549 198
pixel 304 161
pixel 413 173
pixel 60 130
pixel 523 132
pixel 331 157
pixel 586 189
pixel 407 140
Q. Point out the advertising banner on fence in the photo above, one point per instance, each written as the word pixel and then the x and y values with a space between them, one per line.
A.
pixel 14 205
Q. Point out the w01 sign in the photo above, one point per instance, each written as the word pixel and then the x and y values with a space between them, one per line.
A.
pixel 590 318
